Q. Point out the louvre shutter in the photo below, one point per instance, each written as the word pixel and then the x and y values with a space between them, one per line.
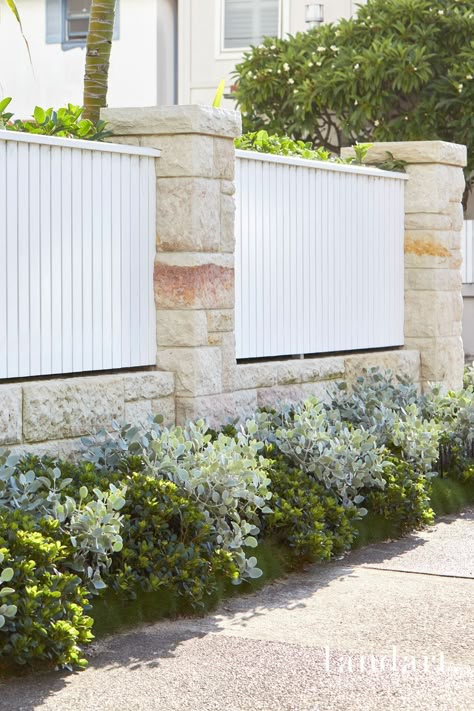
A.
pixel 54 21
pixel 246 22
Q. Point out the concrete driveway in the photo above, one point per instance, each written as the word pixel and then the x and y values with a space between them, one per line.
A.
pixel 388 627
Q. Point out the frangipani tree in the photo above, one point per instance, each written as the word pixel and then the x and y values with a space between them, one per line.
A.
pixel 399 70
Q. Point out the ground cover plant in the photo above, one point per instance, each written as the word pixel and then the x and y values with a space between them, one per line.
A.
pixel 153 520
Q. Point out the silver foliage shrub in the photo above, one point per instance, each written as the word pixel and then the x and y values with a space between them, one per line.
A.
pixel 345 459
pixel 225 476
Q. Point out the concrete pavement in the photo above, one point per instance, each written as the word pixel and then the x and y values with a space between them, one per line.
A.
pixel 390 627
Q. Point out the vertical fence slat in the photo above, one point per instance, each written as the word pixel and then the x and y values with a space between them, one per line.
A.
pixel 3 260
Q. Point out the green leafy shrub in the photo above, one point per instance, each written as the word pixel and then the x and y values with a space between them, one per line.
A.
pixel 50 623
pixel 225 476
pixel 405 499
pixel 305 516
pixel 167 543
pixel 66 122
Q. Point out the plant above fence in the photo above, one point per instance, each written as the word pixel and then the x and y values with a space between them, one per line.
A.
pixel 262 142
pixel 66 122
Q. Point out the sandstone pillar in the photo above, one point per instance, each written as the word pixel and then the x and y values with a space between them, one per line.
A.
pixel 194 267
pixel 433 224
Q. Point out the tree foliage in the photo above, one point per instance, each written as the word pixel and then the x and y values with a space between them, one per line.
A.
pixel 399 70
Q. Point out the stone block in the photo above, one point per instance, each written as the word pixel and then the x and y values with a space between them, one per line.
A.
pixel 148 385
pixel 432 188
pixel 229 362
pixel 181 328
pixel 290 394
pixel 255 375
pixel 309 370
pixel 188 215
pixel 73 407
pixel 218 410
pixel 227 243
pixel 430 221
pixel 198 371
pixel 416 258
pixel 220 320
pixel 172 120
pixel 224 159
pixel 166 407
pixel 405 363
pixel 138 412
pixel 430 314
pixel 416 152
pixel 10 414
pixel 182 156
pixel 227 187
pixel 442 360
pixel 194 281
pixel 432 243
pixel 433 280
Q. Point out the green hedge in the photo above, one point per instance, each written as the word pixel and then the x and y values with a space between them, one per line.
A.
pixel 154 522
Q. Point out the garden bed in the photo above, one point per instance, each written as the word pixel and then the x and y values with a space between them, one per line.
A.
pixel 154 522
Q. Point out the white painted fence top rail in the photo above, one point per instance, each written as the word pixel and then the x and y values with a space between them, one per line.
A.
pixel 321 165
pixel 77 245
pixel 101 146
pixel 319 257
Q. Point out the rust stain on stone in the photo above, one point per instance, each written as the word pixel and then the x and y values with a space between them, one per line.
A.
pixel 424 247
pixel 206 286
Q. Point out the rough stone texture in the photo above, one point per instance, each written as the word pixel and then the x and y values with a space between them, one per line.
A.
pixel 439 315
pixel 166 407
pixel 56 409
pixel 433 280
pixel 289 394
pixel 403 362
pixel 188 215
pixel 173 120
pixel 137 412
pixel 181 328
pixel 217 409
pixel 194 159
pixel 50 416
pixel 256 375
pixel 198 370
pixel 416 152
pixel 220 320
pixel 149 385
pixel 441 358
pixel 309 370
pixel 10 414
pixel 224 159
pixel 432 187
pixel 227 206
pixel 194 281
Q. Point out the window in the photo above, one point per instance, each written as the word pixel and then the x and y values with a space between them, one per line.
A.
pixel 67 22
pixel 77 14
pixel 247 22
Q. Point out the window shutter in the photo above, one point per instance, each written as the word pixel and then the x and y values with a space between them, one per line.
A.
pixel 246 22
pixel 54 21
pixel 116 34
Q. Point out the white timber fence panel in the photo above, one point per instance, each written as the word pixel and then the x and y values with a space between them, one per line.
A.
pixel 468 252
pixel 77 246
pixel 319 257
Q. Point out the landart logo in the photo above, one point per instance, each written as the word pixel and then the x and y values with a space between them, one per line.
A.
pixel 377 664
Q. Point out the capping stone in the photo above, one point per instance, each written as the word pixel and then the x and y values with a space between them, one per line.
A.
pixel 416 152
pixel 173 120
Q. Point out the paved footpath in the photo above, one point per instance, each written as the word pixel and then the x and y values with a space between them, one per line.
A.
pixel 388 627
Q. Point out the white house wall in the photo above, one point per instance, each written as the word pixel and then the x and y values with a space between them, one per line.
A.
pixel 56 76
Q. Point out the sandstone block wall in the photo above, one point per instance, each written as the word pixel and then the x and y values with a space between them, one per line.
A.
pixel 51 415
pixel 194 266
pixel 433 224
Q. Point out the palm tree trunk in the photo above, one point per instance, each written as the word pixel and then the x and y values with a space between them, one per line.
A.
pixel 99 45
